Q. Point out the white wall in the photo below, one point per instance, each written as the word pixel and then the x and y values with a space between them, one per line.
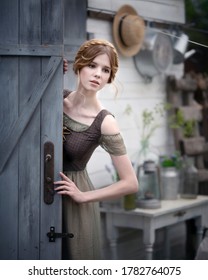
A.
pixel 166 10
pixel 133 90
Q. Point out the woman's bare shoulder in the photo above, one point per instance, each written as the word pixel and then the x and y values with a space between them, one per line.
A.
pixel 109 125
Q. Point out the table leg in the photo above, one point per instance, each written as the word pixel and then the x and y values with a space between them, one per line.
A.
pixel 149 251
pixel 113 248
pixel 199 231
pixel 194 231
pixel 149 240
pixel 167 242
pixel 112 234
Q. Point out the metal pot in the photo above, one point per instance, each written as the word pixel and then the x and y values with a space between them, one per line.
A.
pixel 156 55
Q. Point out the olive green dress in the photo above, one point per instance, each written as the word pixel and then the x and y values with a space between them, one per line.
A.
pixel 83 220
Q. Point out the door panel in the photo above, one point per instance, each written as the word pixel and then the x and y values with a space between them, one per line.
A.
pixel 31 85
pixel 29 189
pixel 51 214
pixel 9 210
pixel 9 178
pixel 30 114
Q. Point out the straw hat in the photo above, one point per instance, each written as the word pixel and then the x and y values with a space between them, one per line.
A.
pixel 128 30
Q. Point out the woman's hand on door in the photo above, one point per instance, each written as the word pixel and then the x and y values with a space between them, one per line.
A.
pixel 65 65
pixel 67 187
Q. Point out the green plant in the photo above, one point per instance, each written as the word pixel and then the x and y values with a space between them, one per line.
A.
pixel 177 120
pixel 150 121
pixel 174 160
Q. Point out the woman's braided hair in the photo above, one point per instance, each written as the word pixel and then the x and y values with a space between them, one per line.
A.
pixel 92 48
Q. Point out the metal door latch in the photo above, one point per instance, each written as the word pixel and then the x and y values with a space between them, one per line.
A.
pixel 48 172
pixel 52 235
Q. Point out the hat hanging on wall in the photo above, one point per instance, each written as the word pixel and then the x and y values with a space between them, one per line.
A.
pixel 128 31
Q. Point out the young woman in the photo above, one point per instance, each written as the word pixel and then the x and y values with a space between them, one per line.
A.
pixel 87 124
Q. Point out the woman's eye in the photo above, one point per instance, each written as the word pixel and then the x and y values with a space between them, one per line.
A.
pixel 106 70
pixel 91 66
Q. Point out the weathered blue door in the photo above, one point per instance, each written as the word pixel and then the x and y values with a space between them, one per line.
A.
pixel 31 84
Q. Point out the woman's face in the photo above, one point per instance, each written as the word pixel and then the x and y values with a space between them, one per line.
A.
pixel 95 76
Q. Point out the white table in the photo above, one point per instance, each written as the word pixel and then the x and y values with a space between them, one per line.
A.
pixel 149 220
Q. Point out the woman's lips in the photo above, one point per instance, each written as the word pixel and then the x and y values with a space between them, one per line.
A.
pixel 95 82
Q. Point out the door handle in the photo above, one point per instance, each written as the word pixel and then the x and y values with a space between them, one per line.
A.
pixel 48 172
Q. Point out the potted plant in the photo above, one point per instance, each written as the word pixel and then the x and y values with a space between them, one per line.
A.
pixel 178 121
pixel 187 140
pixel 173 160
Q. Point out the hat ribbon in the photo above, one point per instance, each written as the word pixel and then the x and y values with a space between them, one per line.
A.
pixel 120 29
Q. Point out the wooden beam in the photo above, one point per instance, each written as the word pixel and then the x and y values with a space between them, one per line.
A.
pixel 8 143
pixel 30 50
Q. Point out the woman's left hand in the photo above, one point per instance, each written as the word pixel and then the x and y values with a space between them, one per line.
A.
pixel 68 187
pixel 65 65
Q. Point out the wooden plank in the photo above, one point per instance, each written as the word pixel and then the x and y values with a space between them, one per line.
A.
pixel 10 141
pixel 8 115
pixel 70 51
pixel 75 18
pixel 8 179
pixel 9 22
pixel 52 22
pixel 30 22
pixel 32 50
pixel 51 128
pixel 29 143
pixel 9 94
pixel 29 190
pixel 9 210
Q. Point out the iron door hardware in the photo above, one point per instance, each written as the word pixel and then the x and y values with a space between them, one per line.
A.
pixel 52 235
pixel 48 172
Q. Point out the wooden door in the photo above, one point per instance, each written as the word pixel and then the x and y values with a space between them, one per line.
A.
pixel 31 84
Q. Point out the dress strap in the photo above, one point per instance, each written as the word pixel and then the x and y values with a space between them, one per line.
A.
pixel 100 117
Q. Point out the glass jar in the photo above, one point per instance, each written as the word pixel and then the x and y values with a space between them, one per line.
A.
pixel 190 177
pixel 129 202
